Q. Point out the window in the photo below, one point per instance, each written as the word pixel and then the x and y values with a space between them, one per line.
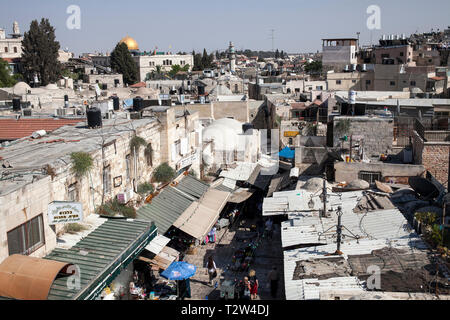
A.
pixel 338 81
pixel 368 82
pixel 236 88
pixel 107 179
pixel 319 87
pixel 27 238
pixel 413 83
pixel 353 81
pixel 392 83
pixel 149 155
pixel 6 49
pixel 401 54
pixel 128 168
pixel 15 49
pixel 178 147
pixel 369 176
pixel 72 194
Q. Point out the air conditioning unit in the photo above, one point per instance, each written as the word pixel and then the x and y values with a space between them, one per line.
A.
pixel 126 196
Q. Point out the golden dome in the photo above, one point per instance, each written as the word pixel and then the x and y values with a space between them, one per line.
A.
pixel 130 42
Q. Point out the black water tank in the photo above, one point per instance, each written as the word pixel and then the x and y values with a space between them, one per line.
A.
pixel 66 97
pixel 247 127
pixel 16 104
pixel 345 109
pixel 116 103
pixel 138 104
pixel 360 110
pixel 94 117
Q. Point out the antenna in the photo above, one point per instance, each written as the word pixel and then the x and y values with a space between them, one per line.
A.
pixel 339 234
pixel 272 37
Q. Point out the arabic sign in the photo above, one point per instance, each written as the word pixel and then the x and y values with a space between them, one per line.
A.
pixel 187 161
pixel 64 212
pixel 291 133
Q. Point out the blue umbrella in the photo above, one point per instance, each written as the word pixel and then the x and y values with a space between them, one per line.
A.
pixel 179 270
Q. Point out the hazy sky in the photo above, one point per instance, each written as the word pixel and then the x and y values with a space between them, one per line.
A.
pixel 186 25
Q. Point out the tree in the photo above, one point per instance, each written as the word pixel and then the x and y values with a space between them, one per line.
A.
pixel 177 68
pixel 6 79
pixel 277 54
pixel 122 62
pixel 314 67
pixel 40 53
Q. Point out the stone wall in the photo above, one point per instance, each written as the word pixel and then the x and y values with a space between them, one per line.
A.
pixel 377 133
pixel 349 171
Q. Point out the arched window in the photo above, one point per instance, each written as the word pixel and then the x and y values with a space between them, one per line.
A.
pixel 6 49
pixel 15 49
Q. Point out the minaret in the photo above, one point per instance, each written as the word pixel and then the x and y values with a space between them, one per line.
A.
pixel 16 29
pixel 232 56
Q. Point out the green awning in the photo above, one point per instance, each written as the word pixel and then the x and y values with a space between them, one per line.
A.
pixel 101 256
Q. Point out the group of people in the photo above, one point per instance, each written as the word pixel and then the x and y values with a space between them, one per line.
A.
pixel 250 283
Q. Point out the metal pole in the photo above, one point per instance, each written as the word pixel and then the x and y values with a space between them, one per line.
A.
pixel 324 213
pixel 351 147
pixel 339 232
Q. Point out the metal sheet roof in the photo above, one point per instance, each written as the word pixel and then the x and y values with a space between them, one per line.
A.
pixel 100 256
pixel 170 204
pixel 306 289
pixel 157 244
pixel 199 218
pixel 28 278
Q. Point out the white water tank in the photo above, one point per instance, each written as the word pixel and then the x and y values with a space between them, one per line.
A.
pixel 352 97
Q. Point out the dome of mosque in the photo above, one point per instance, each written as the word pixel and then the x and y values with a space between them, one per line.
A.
pixel 130 42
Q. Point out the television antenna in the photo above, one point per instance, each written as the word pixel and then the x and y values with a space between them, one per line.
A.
pixel 339 235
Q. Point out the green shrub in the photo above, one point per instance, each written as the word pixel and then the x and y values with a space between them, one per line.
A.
pixel 113 208
pixel 73 228
pixel 145 189
pixel 164 173
pixel 82 163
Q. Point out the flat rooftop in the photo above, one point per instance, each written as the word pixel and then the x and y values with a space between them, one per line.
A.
pixel 23 161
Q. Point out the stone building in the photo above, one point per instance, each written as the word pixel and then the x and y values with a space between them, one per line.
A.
pixel 180 137
pixel 374 135
pixel 337 53
pixel 147 63
pixel 11 47
pixel 38 172
pixel 110 80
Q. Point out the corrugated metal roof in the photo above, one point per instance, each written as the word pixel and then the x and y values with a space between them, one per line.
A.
pixel 100 256
pixel 242 172
pixel 170 204
pixel 192 186
pixel 306 289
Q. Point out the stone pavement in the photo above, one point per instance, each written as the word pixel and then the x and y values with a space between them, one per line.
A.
pixel 267 254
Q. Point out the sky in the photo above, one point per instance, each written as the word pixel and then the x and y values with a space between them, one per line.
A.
pixel 182 25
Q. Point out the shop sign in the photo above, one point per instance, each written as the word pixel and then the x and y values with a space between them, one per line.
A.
pixel 64 212
pixel 187 161
pixel 291 133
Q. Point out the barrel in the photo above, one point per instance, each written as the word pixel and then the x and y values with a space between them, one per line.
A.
pixel 94 118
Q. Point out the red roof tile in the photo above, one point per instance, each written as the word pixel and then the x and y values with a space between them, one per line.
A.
pixel 11 129
pixel 138 85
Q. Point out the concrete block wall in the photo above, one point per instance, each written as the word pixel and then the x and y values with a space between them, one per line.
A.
pixel 378 133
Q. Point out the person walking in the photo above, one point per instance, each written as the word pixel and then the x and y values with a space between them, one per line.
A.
pixel 269 228
pixel 211 270
pixel 273 278
pixel 247 289
pixel 254 284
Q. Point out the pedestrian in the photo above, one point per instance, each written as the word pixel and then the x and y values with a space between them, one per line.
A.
pixel 273 278
pixel 254 284
pixel 211 270
pixel 269 228
pixel 247 289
